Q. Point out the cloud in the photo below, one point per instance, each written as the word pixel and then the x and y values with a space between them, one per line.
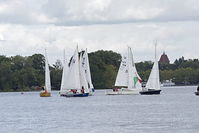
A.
pixel 23 12
pixel 175 38
pixel 87 12
pixel 30 26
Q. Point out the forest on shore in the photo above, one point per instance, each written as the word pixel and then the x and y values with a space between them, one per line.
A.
pixel 18 73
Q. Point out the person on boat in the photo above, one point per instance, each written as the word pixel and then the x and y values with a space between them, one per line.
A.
pixel 42 88
pixel 82 90
pixel 74 91
pixel 115 89
pixel 93 90
pixel 198 88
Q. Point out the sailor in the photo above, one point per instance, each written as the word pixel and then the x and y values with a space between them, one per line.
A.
pixel 93 90
pixel 82 90
pixel 74 91
pixel 42 88
pixel 115 89
pixel 198 88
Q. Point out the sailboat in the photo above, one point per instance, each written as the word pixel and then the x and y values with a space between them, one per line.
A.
pixel 153 83
pixel 197 92
pixel 127 77
pixel 86 67
pixel 46 92
pixel 74 82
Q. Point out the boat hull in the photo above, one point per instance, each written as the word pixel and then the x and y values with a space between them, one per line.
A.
pixel 91 92
pixel 45 94
pixel 75 95
pixel 197 93
pixel 150 92
pixel 123 92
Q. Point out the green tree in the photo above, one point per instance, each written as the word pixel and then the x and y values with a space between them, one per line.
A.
pixel 104 66
pixel 56 74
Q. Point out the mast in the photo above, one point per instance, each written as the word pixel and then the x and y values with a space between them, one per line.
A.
pixel 154 77
pixel 157 69
pixel 156 64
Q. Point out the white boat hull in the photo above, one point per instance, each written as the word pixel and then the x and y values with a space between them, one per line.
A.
pixel 91 92
pixel 123 92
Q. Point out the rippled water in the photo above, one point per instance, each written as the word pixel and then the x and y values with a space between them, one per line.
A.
pixel 175 110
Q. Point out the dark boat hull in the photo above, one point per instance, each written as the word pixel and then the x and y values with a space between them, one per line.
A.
pixel 150 92
pixel 75 95
pixel 197 93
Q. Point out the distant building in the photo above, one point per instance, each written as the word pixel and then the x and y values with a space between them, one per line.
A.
pixel 164 59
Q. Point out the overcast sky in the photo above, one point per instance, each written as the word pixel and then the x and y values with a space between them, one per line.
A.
pixel 30 26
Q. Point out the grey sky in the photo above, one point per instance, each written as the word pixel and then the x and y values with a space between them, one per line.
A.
pixel 29 26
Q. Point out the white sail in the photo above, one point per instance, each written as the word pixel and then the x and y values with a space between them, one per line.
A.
pixel 83 79
pixel 154 78
pixel 127 75
pixel 122 75
pixel 137 79
pixel 64 74
pixel 87 70
pixel 133 79
pixel 47 75
pixel 73 74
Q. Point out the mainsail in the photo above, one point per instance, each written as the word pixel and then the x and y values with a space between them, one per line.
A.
pixel 86 66
pixel 154 78
pixel 64 74
pixel 122 75
pixel 133 77
pixel 83 79
pixel 73 73
pixel 47 75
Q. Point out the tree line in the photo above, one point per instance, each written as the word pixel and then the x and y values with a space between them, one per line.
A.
pixel 18 73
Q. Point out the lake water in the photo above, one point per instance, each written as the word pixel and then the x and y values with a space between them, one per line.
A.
pixel 176 110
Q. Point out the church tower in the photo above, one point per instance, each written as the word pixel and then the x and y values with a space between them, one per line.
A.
pixel 164 59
